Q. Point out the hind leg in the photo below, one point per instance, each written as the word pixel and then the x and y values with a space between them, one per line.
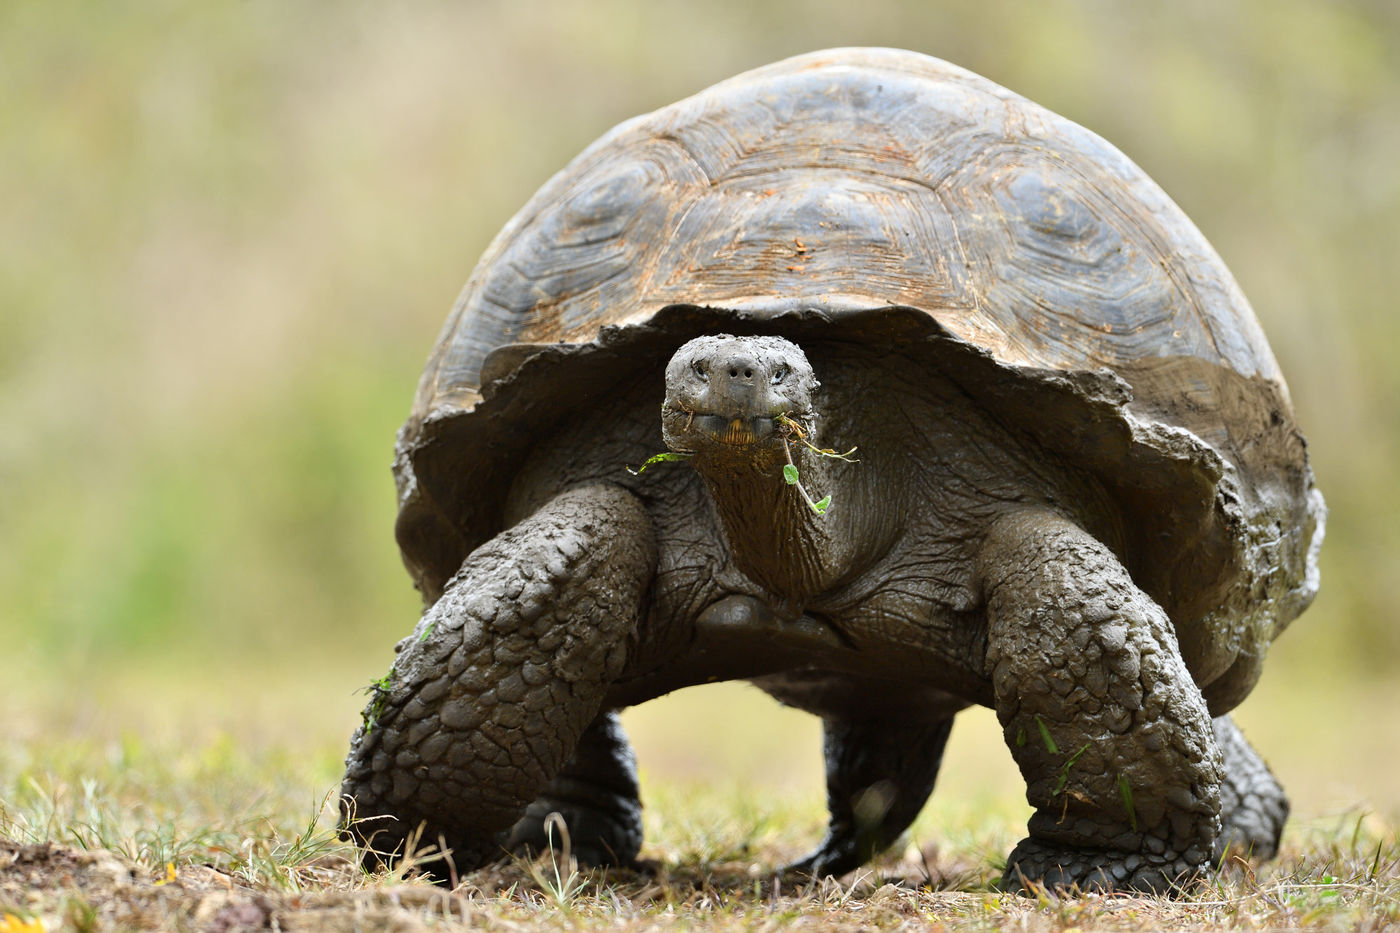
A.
pixel 598 797
pixel 883 743
pixel 1253 807
pixel 879 774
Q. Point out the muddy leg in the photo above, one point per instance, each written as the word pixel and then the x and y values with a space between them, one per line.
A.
pixel 879 773
pixel 489 697
pixel 1105 722
pixel 1253 807
pixel 597 795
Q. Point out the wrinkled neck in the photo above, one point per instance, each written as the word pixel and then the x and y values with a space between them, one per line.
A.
pixel 774 536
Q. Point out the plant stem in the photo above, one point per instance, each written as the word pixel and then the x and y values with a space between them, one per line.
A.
pixel 818 508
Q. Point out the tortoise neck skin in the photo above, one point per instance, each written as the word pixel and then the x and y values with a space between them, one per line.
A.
pixel 776 539
pixel 726 400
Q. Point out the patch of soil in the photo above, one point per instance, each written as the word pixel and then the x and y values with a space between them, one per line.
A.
pixel 68 888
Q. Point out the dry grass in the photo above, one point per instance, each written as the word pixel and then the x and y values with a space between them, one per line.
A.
pixel 1330 880
pixel 124 832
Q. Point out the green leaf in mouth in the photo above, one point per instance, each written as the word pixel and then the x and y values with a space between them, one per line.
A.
pixel 666 457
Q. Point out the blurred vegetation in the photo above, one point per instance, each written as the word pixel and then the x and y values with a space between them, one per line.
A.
pixel 229 233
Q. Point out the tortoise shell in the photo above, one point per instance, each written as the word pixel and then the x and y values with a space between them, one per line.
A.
pixel 827 189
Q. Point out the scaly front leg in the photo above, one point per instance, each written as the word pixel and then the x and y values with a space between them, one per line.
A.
pixel 1102 716
pixel 489 697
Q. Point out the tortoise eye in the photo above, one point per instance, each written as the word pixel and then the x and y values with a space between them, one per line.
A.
pixel 700 369
pixel 779 374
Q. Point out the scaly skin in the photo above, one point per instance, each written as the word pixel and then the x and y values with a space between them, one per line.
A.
pixel 489 699
pixel 1252 805
pixel 1109 731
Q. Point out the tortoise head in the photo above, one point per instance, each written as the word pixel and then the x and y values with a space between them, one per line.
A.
pixel 725 396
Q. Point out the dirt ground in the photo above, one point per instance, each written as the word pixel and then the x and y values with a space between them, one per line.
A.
pixel 51 887
pixel 60 887
pixel 63 887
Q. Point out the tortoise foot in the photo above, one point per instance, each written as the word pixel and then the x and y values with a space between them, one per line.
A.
pixel 495 694
pixel 593 836
pixel 599 827
pixel 1066 868
pixel 835 859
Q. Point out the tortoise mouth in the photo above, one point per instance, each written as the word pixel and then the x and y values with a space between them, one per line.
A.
pixel 734 430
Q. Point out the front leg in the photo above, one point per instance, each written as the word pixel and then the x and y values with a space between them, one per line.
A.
pixel 490 695
pixel 1101 714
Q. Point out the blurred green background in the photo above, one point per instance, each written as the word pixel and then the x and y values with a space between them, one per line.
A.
pixel 229 233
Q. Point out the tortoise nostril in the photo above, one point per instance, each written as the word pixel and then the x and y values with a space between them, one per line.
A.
pixel 733 372
pixel 748 374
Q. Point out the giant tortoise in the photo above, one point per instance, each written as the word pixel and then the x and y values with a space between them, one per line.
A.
pixel 1080 496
